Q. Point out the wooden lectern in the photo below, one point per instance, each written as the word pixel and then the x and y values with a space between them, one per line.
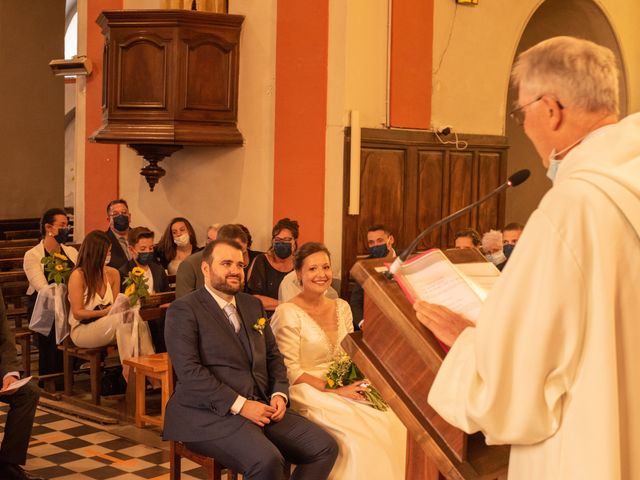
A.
pixel 401 358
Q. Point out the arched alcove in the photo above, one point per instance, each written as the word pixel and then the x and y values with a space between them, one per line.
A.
pixel 579 18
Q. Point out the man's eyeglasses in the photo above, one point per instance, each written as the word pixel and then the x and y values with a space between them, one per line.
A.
pixel 518 113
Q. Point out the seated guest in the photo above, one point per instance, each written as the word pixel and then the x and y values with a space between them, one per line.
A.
pixel 212 233
pixel 252 253
pixel 269 268
pixel 492 248
pixel 93 285
pixel 119 221
pixel 380 243
pixel 510 236
pixel 225 406
pixel 141 251
pixel 467 238
pixel 177 242
pixel 55 232
pixel 189 276
pixel 22 408
pixel 372 442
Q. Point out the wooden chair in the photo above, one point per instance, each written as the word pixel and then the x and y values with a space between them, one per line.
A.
pixel 178 451
pixel 157 366
pixel 92 355
pixel 23 338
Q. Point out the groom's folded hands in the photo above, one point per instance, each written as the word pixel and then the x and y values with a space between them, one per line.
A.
pixel 258 413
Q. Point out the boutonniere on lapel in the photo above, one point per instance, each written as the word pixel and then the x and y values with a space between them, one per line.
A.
pixel 260 324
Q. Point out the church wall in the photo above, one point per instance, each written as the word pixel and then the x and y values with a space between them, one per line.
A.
pixel 227 185
pixel 472 64
pixel 32 100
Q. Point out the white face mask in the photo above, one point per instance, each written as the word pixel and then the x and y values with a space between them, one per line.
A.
pixel 182 240
pixel 554 163
pixel 496 258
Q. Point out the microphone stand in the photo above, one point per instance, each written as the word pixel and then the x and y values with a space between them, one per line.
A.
pixel 514 180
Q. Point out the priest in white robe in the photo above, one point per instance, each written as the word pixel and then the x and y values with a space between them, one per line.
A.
pixel 552 366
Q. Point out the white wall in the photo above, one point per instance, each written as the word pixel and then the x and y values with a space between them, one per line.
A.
pixel 357 80
pixel 227 185
pixel 470 89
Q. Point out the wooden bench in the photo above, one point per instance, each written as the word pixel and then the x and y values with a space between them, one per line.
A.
pixel 92 355
pixel 11 264
pixel 25 242
pixel 22 234
pixel 14 224
pixel 15 251
pixel 156 366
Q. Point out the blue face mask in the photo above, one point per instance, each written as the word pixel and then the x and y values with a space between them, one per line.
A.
pixel 144 258
pixel 379 251
pixel 553 166
pixel 121 223
pixel 508 249
pixel 282 249
pixel 62 236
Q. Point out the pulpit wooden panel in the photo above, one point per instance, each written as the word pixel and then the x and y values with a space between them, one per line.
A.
pixel 401 358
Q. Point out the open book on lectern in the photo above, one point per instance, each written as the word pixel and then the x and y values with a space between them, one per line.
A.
pixel 461 287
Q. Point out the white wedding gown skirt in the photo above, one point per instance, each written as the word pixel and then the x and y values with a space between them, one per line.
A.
pixel 372 443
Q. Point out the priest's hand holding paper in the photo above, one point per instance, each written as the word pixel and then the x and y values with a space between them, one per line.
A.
pixel 444 323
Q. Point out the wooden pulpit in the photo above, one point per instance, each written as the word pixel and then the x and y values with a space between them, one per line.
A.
pixel 401 358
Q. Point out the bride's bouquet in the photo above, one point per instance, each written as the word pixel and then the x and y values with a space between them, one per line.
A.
pixel 343 371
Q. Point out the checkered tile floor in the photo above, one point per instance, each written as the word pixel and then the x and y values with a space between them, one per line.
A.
pixel 61 448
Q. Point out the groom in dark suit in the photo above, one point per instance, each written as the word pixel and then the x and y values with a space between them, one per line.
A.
pixel 231 391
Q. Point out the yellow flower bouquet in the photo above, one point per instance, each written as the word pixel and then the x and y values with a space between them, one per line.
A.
pixel 136 285
pixel 56 267
pixel 343 371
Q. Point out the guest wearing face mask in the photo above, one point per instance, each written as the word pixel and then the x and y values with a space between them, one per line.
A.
pixel 269 268
pixel 119 220
pixel 55 233
pixel 141 251
pixel 177 242
pixel 492 248
pixel 510 236
pixel 380 244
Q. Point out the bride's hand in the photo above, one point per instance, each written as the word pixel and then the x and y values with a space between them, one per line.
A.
pixel 353 391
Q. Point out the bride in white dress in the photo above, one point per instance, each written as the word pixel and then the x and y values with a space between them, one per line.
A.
pixel 309 329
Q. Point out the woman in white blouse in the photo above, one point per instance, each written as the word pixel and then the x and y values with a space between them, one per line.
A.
pixel 54 227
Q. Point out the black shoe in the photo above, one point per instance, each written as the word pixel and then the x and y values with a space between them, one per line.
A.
pixel 11 471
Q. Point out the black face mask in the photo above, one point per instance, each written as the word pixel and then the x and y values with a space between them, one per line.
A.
pixel 62 236
pixel 121 223
pixel 145 258
pixel 282 249
pixel 379 251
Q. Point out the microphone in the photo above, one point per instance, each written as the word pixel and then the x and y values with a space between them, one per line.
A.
pixel 513 181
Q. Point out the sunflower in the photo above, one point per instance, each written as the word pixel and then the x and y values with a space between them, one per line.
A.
pixel 131 289
pixel 60 256
pixel 59 268
pixel 137 271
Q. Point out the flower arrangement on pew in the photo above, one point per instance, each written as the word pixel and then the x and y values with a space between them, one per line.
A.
pixel 57 268
pixel 343 371
pixel 136 285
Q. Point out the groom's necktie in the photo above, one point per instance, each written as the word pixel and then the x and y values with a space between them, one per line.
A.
pixel 232 315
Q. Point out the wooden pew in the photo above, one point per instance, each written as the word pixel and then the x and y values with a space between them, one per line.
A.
pixel 11 264
pixel 25 242
pixel 15 224
pixel 22 234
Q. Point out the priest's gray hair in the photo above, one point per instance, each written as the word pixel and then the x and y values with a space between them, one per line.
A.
pixel 579 73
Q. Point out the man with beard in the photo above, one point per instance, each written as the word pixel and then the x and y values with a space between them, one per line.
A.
pixel 231 391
